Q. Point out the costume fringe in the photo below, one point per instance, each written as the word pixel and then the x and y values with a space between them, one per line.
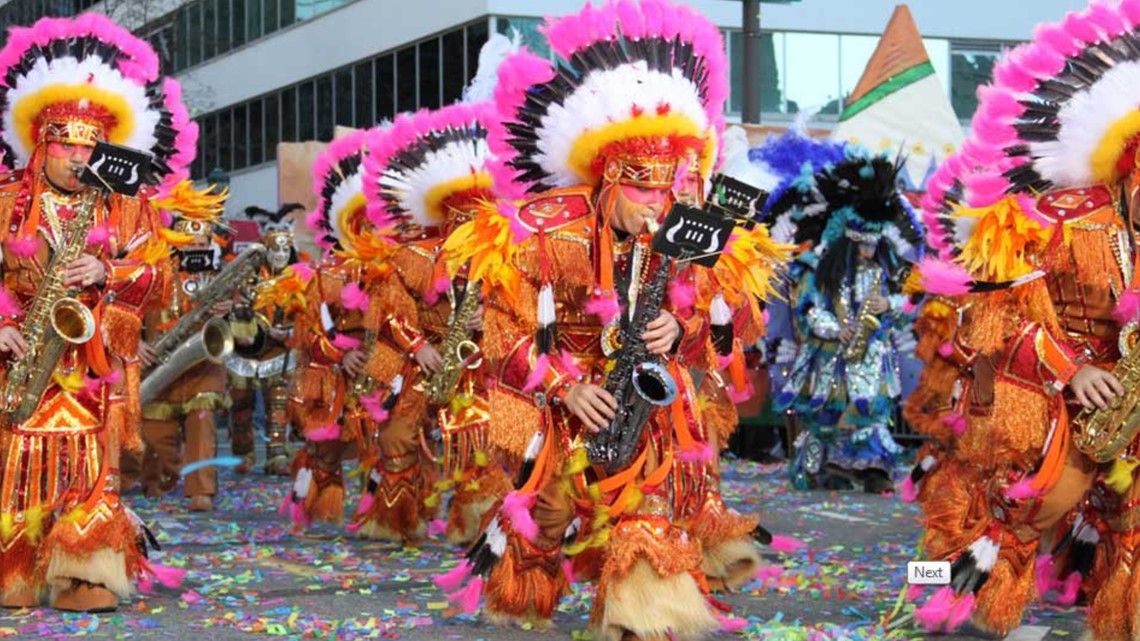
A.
pixel 652 606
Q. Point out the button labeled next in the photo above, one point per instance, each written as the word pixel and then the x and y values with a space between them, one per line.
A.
pixel 928 572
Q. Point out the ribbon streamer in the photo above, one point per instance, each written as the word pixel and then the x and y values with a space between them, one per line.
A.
pixel 221 461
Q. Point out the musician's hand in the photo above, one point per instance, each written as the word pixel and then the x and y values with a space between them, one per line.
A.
pixel 85 271
pixel 878 304
pixel 279 335
pixel 594 406
pixel 475 323
pixel 661 333
pixel 1095 388
pixel 429 359
pixel 146 353
pixel 846 334
pixel 222 307
pixel 354 362
pixel 12 342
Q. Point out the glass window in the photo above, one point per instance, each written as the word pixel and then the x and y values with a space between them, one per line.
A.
pixel 429 73
pixel 200 157
pixel 811 75
pixel 406 84
pixel 257 132
pixel 237 20
pixel 210 135
pixel 210 34
pixel 272 126
pixel 385 87
pixel 454 66
pixel 970 66
pixel 854 54
pixel 288 12
pixel 528 30
pixel 194 35
pixel 270 16
pixel 253 19
pixel 241 137
pixel 306 108
pixel 326 118
pixel 289 115
pixel 939 50
pixel 225 140
pixel 225 37
pixel 362 93
pixel 343 97
pixel 477 35
pixel 181 24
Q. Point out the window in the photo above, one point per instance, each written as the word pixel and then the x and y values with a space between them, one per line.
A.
pixel 810 81
pixel 273 126
pixel 429 74
pixel 194 35
pixel 225 38
pixel 854 54
pixel 288 13
pixel 365 109
pixel 344 97
pixel 527 29
pixel 241 137
pixel 210 32
pixel 225 140
pixel 269 15
pixel 181 37
pixel 306 117
pixel 210 152
pixel 406 99
pixel 477 35
pixel 257 132
pixel 325 103
pixel 289 115
pixel 385 87
pixel 237 21
pixel 253 19
pixel 454 66
pixel 970 65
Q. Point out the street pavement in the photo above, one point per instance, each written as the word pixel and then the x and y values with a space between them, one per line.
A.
pixel 249 575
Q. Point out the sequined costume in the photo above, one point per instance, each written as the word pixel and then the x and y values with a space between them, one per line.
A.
pixel 263 362
pixel 557 270
pixel 1039 253
pixel 64 532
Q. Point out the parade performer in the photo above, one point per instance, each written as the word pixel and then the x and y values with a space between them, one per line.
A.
pixel 178 426
pixel 263 363
pixel 425 174
pixel 844 385
pixel 348 379
pixel 64 533
pixel 584 164
pixel 1045 257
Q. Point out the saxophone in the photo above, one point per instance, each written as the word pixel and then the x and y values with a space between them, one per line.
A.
pixel 637 381
pixel 1104 434
pixel 865 325
pixel 199 335
pixel 459 351
pixel 54 319
pixel 364 384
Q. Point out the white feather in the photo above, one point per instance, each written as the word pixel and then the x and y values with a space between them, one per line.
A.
pixel 784 231
pixel 491 56
pixel 1088 534
pixel 303 483
pixel 496 538
pixel 375 477
pixel 786 352
pixel 738 166
pixel 928 462
pixel 326 318
pixel 349 188
pixel 985 551
pixel 719 312
pixel 90 72
pixel 397 384
pixel 604 98
pixel 546 308
pixel 534 446
pixel 451 162
pixel 894 237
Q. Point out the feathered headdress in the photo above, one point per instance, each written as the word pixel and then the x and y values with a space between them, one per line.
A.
pixel 86 79
pixel 339 219
pixel 643 83
pixel 273 222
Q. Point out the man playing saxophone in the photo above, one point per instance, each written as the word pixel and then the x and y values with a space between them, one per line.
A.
pixel 65 536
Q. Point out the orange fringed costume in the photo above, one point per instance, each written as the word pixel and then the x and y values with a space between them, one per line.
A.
pixel 62 524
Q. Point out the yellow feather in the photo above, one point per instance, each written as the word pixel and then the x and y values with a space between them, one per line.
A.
pixel 1002 240
pixel 1120 476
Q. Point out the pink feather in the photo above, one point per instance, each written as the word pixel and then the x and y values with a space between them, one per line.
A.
pixel 1043 574
pixel 186 138
pixel 8 305
pixel 986 188
pixel 701 454
pixel 374 406
pixel 354 297
pixel 569 366
pixel 1128 308
pixel 166 218
pixel 1012 76
pixel 330 432
pixel 365 505
pixel 146 584
pixel 1070 589
pixel 1041 62
pixel 786 544
pixel 914 592
pixel 909 307
pixel 100 235
pixel 286 504
pixel 681 295
pixel 933 614
pixel 723 360
pixel 994 103
pixel 1080 27
pixel 354 527
pixel 517 507
pixel 313 220
pixel 1022 490
pixel 960 612
pixel 1130 9
pixel 908 492
pixel 568 571
pixel 1108 20
pixel 24 246
pixel 730 624
pixel 942 277
pixel 437 527
pixel 168 576
pixel 605 308
pixel 468 598
pixel 452 579
pixel 956 422
pixel 303 271
pixel 345 343
pixel 1053 36
pixel 535 377
pixel 739 396
pixel 946 350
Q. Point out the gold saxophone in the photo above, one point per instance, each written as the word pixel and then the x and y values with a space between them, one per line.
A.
pixel 364 384
pixel 459 351
pixel 865 325
pixel 54 319
pixel 1103 434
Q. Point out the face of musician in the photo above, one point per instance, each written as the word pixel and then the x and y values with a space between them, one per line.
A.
pixel 64 164
pixel 867 251
pixel 279 252
pixel 689 192
pixel 636 206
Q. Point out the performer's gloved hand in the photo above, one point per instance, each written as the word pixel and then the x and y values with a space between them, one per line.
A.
pixel 279 335
pixel 661 333
pixel 1095 388
pixel 429 359
pixel 878 304
pixel 354 362
pixel 594 406
pixel 12 342
pixel 146 353
pixel 84 272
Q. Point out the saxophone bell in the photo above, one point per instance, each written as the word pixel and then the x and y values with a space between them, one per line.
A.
pixel 72 321
pixel 467 352
pixel 217 340
pixel 654 384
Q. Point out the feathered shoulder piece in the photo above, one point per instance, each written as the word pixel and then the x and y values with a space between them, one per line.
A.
pixel 286 291
pixel 750 266
pixel 487 243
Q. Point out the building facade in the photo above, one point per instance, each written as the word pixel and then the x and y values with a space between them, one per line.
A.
pixel 261 72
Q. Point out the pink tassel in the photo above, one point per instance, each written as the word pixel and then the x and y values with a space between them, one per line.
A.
pixel 569 366
pixel 960 612
pixel 786 544
pixel 914 592
pixel 730 624
pixel 24 246
pixel 766 573
pixel 986 188
pixel 604 307
pixel 166 575
pixel 568 570
pixel 374 406
pixel 703 453
pixel 468 598
pixel 516 507
pixel 942 277
pixel 313 220
pixel 1070 589
pixel 286 504
pixel 536 375
pixel 1022 490
pixel 1043 574
pixel 934 613
pixel 739 396
pixel 908 491
pixel 723 360
pixel 682 295
pixel 354 297
pixel 909 307
pixel 946 350
pixel 303 271
pixel 366 502
pixel 354 527
pixel 100 235
pixel 8 304
pixel 437 527
pixel 146 584
pixel 452 579
pixel 956 422
pixel 330 432
pixel 441 285
pixel 345 343
pixel 297 512
pixel 1128 308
